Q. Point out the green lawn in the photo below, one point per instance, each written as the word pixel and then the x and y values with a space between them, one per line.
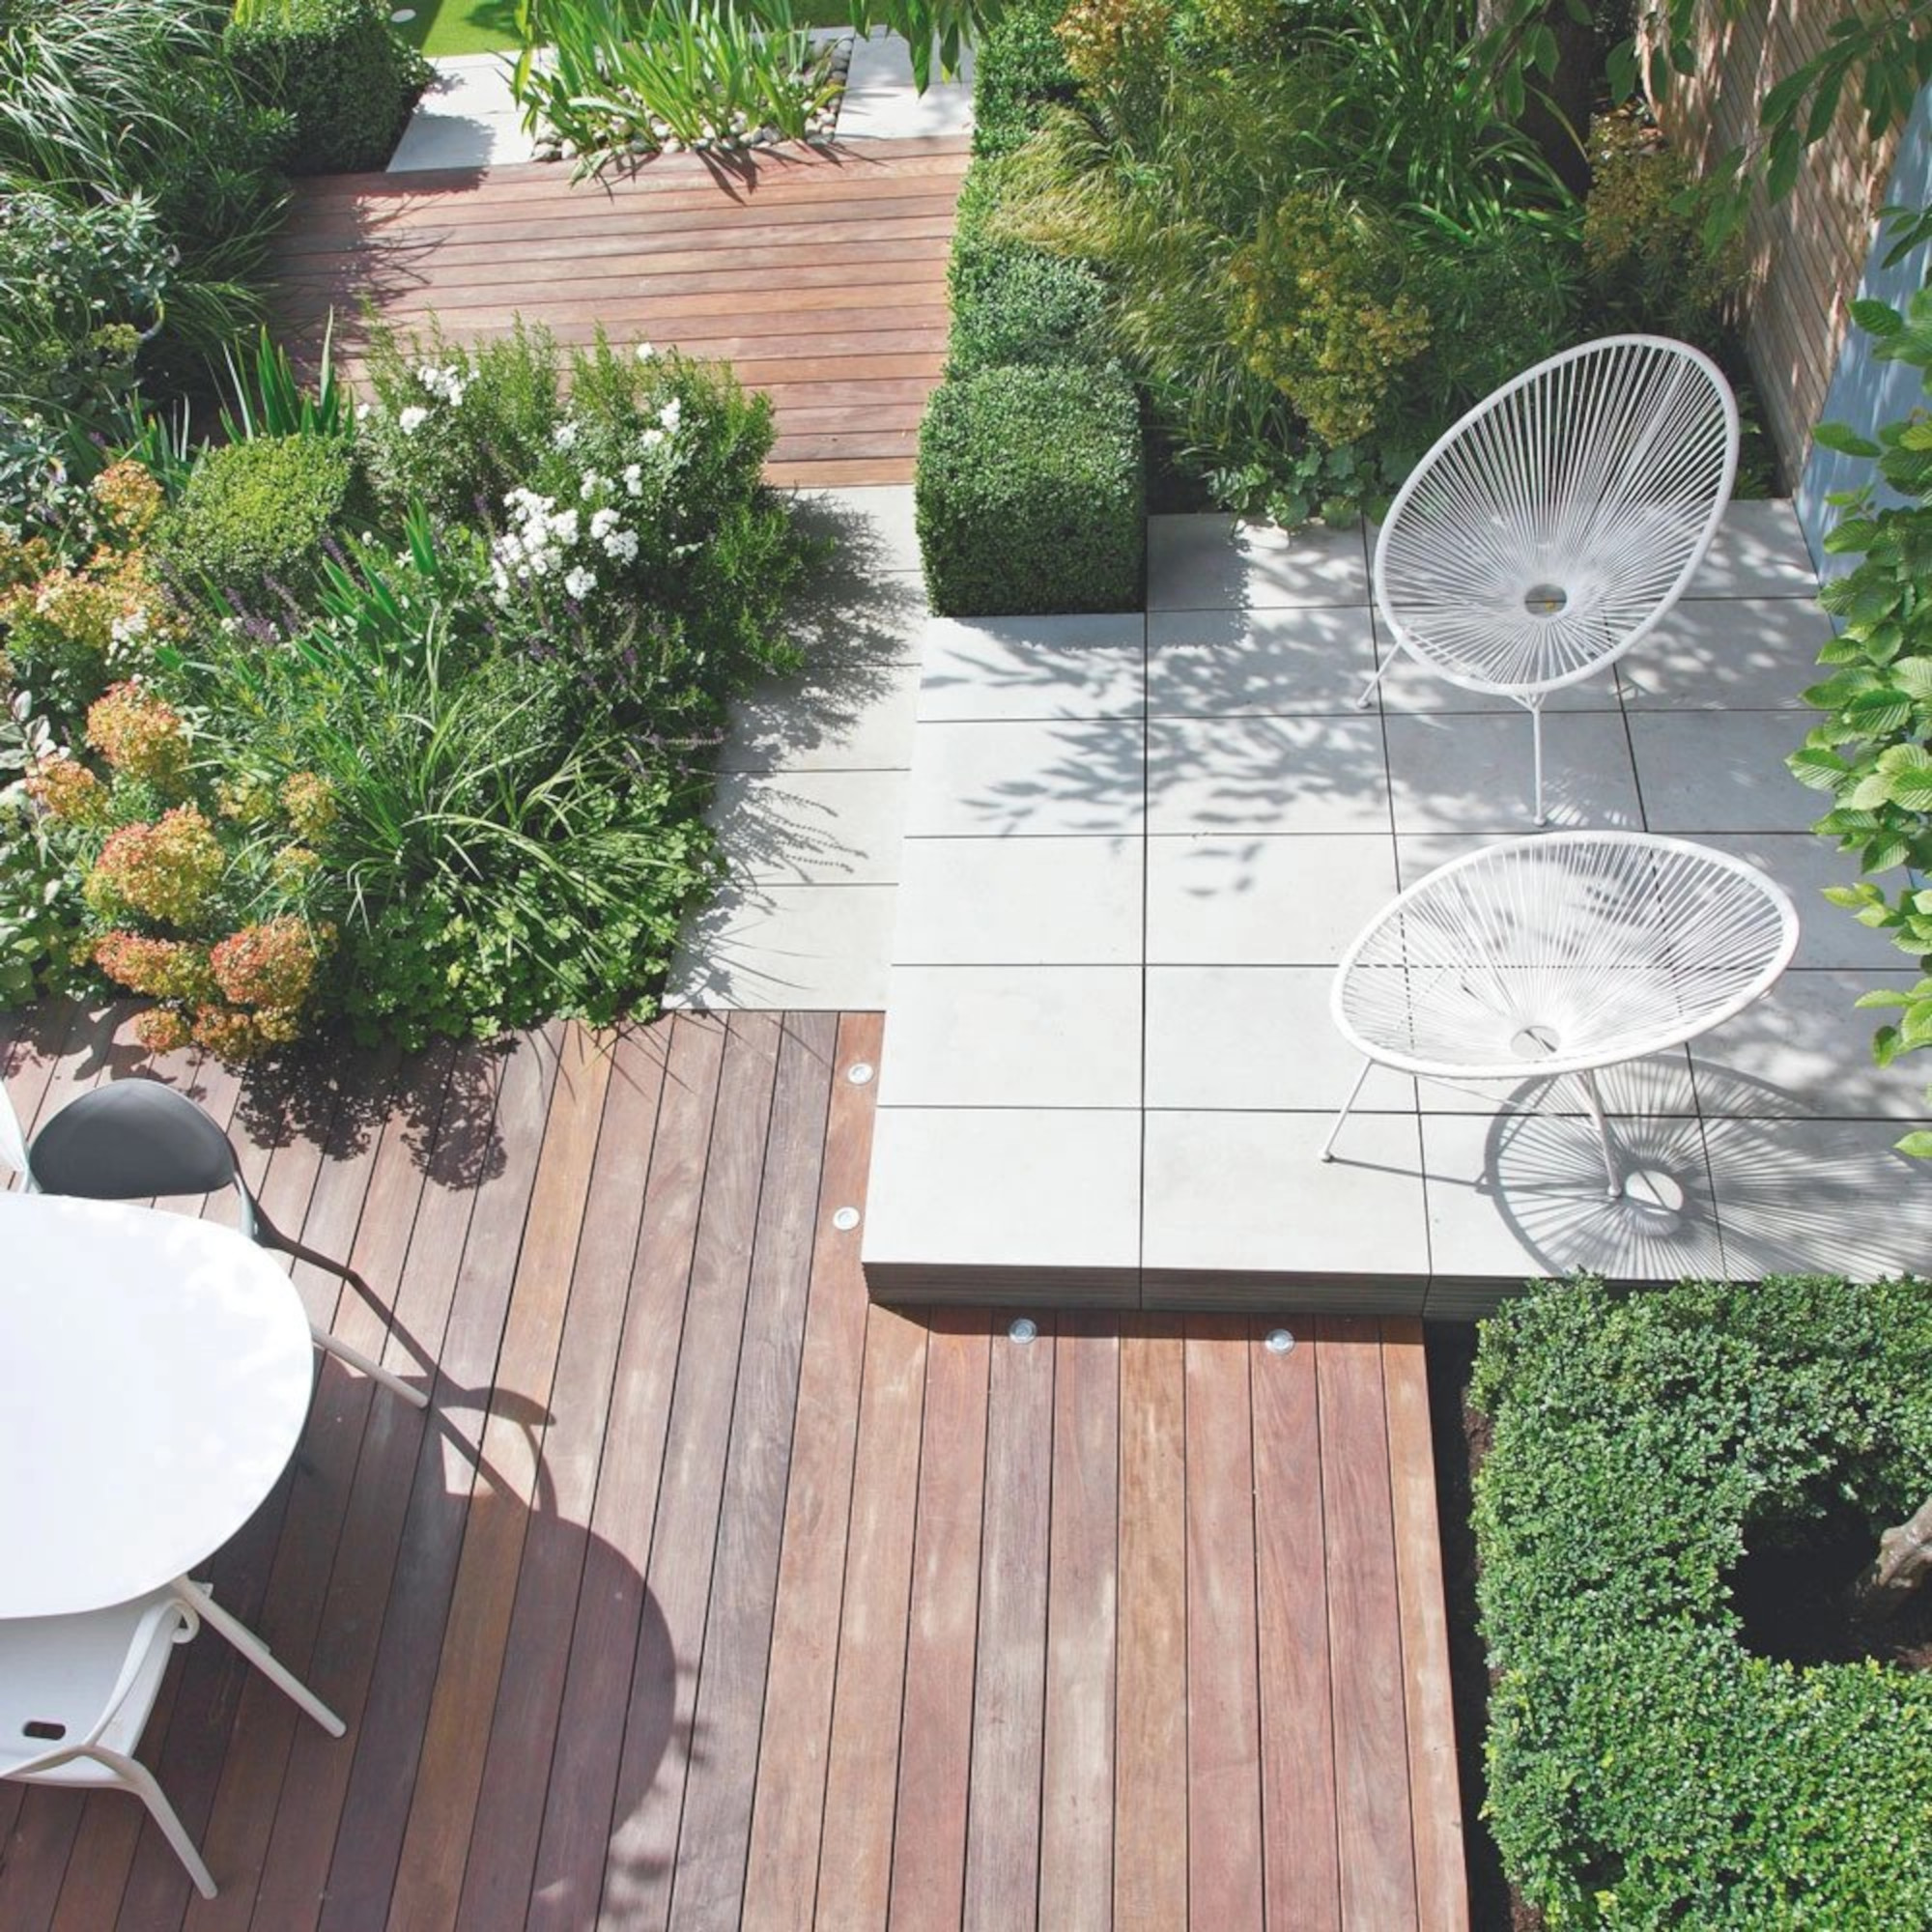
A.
pixel 490 26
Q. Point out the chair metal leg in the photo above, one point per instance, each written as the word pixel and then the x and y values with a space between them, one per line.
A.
pixel 1614 1185
pixel 1369 689
pixel 1348 1107
pixel 257 1653
pixel 266 1235
pixel 375 1371
pixel 141 1782
pixel 1536 743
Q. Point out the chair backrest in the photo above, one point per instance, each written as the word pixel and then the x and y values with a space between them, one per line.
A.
pixel 131 1139
pixel 1559 520
pixel 12 1140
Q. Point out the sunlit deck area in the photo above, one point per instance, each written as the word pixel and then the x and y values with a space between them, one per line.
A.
pixel 708 1593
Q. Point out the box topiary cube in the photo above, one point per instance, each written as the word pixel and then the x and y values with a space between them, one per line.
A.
pixel 345 78
pixel 1030 494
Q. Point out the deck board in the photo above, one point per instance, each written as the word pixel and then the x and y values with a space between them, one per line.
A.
pixel 805 268
pixel 709 1594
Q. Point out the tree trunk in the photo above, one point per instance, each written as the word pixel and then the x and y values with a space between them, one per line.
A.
pixel 1903 1562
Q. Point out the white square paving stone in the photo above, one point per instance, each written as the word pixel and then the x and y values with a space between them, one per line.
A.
pixel 1263 901
pixel 1521 1195
pixel 1265 775
pixel 1758 551
pixel 1222 563
pixel 1006 667
pixel 1255 1036
pixel 1247 1193
pixel 1410 687
pixel 874 523
pixel 1804 865
pixel 1819 1197
pixel 1020 902
pixel 1012 1037
pixel 1720 772
pixel 1728 653
pixel 1225 664
pixel 1005 1187
pixel 1809 1046
pixel 1025 778
pixel 786 948
pixel 1474 772
pixel 847 718
pixel 811 828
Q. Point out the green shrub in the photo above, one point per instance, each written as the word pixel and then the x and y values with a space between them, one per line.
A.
pixel 254 516
pixel 345 78
pixel 1019 70
pixel 1647 265
pixel 1644 1768
pixel 1031 492
pixel 1011 304
pixel 1873 749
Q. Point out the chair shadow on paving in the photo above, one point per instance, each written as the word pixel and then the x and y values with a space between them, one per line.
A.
pixel 1752 1181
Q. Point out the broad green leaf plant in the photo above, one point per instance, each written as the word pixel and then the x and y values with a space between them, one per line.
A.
pixel 1872 751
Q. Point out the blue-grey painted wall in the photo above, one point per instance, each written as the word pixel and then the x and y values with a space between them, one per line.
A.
pixel 1864 392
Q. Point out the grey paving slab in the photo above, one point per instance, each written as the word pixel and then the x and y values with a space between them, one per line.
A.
pixel 1222 563
pixel 1246 1193
pixel 1659 1083
pixel 1735 653
pixel 465 119
pixel 1274 902
pixel 1005 1187
pixel 1020 902
pixel 806 828
pixel 850 717
pixel 1804 865
pixel 1473 772
pixel 1227 664
pixel 1758 551
pixel 1720 772
pixel 1410 688
pixel 1254 1037
pixel 1265 775
pixel 1806 1049
pixel 1026 779
pixel 788 948
pixel 872 523
pixel 1824 1197
pixel 880 103
pixel 1012 1037
pixel 1520 1196
pixel 1006 667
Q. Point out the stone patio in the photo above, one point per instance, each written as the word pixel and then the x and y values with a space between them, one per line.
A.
pixel 1135 848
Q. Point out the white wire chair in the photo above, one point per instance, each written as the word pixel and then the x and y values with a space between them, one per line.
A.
pixel 1563 952
pixel 1558 522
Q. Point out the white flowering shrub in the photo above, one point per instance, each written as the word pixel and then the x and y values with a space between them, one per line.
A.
pixel 614 499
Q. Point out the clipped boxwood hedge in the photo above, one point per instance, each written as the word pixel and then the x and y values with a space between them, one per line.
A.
pixel 345 76
pixel 1019 70
pixel 255 515
pixel 1011 304
pixel 1029 494
pixel 1643 1768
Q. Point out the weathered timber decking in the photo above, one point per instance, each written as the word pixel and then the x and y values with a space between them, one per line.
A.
pixel 819 273
pixel 709 1594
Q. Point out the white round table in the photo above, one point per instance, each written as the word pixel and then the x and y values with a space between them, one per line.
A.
pixel 154 1374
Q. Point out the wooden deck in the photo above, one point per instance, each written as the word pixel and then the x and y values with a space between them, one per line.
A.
pixel 819 273
pixel 708 1594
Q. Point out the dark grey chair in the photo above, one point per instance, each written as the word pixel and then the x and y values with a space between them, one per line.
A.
pixel 131 1138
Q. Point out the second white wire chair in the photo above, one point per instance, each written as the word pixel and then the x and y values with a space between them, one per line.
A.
pixel 1555 524
pixel 1561 953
